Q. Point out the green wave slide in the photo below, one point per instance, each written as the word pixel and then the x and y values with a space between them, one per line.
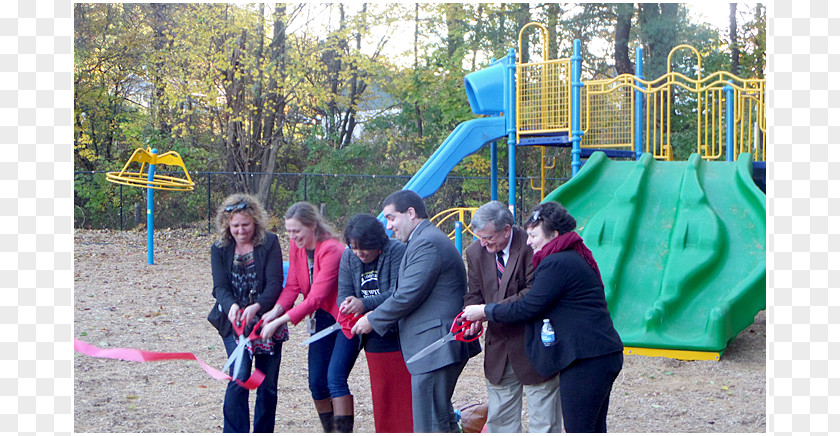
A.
pixel 680 246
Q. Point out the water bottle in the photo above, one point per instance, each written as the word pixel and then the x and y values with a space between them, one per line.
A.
pixel 547 333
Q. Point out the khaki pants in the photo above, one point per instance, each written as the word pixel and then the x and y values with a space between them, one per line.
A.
pixel 505 405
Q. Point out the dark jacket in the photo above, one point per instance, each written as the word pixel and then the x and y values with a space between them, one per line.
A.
pixel 503 342
pixel 569 292
pixel 268 258
pixel 388 265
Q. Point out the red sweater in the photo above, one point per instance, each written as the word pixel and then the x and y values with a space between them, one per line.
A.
pixel 323 291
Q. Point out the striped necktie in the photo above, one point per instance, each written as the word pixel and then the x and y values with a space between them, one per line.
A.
pixel 500 265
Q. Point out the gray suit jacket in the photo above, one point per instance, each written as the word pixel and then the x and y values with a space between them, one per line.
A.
pixel 430 293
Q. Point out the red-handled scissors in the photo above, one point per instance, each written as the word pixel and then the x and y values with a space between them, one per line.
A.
pixel 238 354
pixel 344 323
pixel 456 333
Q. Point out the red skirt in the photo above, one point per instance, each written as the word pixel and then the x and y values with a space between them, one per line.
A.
pixel 390 387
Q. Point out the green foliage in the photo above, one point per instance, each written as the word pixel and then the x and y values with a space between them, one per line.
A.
pixel 754 37
pixel 261 89
pixel 96 197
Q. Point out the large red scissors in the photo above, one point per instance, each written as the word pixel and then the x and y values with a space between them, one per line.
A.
pixel 344 323
pixel 238 354
pixel 456 333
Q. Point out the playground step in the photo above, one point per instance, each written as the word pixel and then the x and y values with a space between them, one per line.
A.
pixel 555 140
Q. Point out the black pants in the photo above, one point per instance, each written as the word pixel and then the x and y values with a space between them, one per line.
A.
pixel 235 408
pixel 585 387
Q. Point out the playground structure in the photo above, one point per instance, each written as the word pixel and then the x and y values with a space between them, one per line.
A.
pixel 152 181
pixel 681 245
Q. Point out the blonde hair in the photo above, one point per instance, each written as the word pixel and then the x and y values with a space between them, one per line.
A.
pixel 248 205
pixel 309 216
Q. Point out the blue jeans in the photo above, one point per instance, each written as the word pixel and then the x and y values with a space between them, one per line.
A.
pixel 235 409
pixel 330 360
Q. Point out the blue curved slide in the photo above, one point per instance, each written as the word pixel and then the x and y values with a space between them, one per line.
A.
pixel 465 140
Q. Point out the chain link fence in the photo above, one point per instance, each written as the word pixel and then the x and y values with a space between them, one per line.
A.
pixel 100 204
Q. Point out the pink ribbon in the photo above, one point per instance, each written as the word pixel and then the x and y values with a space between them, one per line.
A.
pixel 134 355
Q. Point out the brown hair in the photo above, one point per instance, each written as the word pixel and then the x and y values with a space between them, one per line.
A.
pixel 245 204
pixel 309 216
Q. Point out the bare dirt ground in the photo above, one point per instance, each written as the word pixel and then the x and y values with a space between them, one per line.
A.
pixel 121 301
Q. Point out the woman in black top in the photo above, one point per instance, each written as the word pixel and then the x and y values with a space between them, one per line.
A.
pixel 247 268
pixel 586 350
pixel 367 275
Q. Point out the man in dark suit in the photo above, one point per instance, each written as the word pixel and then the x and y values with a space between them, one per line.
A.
pixel 499 269
pixel 430 293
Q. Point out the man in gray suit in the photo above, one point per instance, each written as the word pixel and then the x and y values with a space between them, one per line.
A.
pixel 430 293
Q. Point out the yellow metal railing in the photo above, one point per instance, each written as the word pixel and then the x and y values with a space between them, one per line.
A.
pixel 543 166
pixel 751 121
pixel 543 92
pixel 543 105
pixel 609 120
pixel 455 214
pixel 607 113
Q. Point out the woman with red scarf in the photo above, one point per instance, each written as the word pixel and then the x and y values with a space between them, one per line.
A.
pixel 568 291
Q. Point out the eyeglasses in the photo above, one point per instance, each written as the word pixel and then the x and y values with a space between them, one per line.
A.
pixel 236 207
pixel 535 217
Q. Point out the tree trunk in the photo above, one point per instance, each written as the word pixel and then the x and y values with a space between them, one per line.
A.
pixel 259 99
pixel 733 39
pixel 332 59
pixel 160 12
pixel 552 13
pixel 418 114
pixel 523 16
pixel 454 32
pixel 235 138
pixel 658 29
pixel 624 13
pixel 477 35
pixel 277 105
pixel 357 87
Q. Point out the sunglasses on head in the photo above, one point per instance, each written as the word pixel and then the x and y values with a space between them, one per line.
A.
pixel 236 207
pixel 535 216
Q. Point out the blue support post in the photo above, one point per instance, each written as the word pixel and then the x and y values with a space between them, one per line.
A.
pixel 730 123
pixel 150 212
pixel 577 133
pixel 459 237
pixel 510 122
pixel 494 165
pixel 639 102
pixel 494 180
